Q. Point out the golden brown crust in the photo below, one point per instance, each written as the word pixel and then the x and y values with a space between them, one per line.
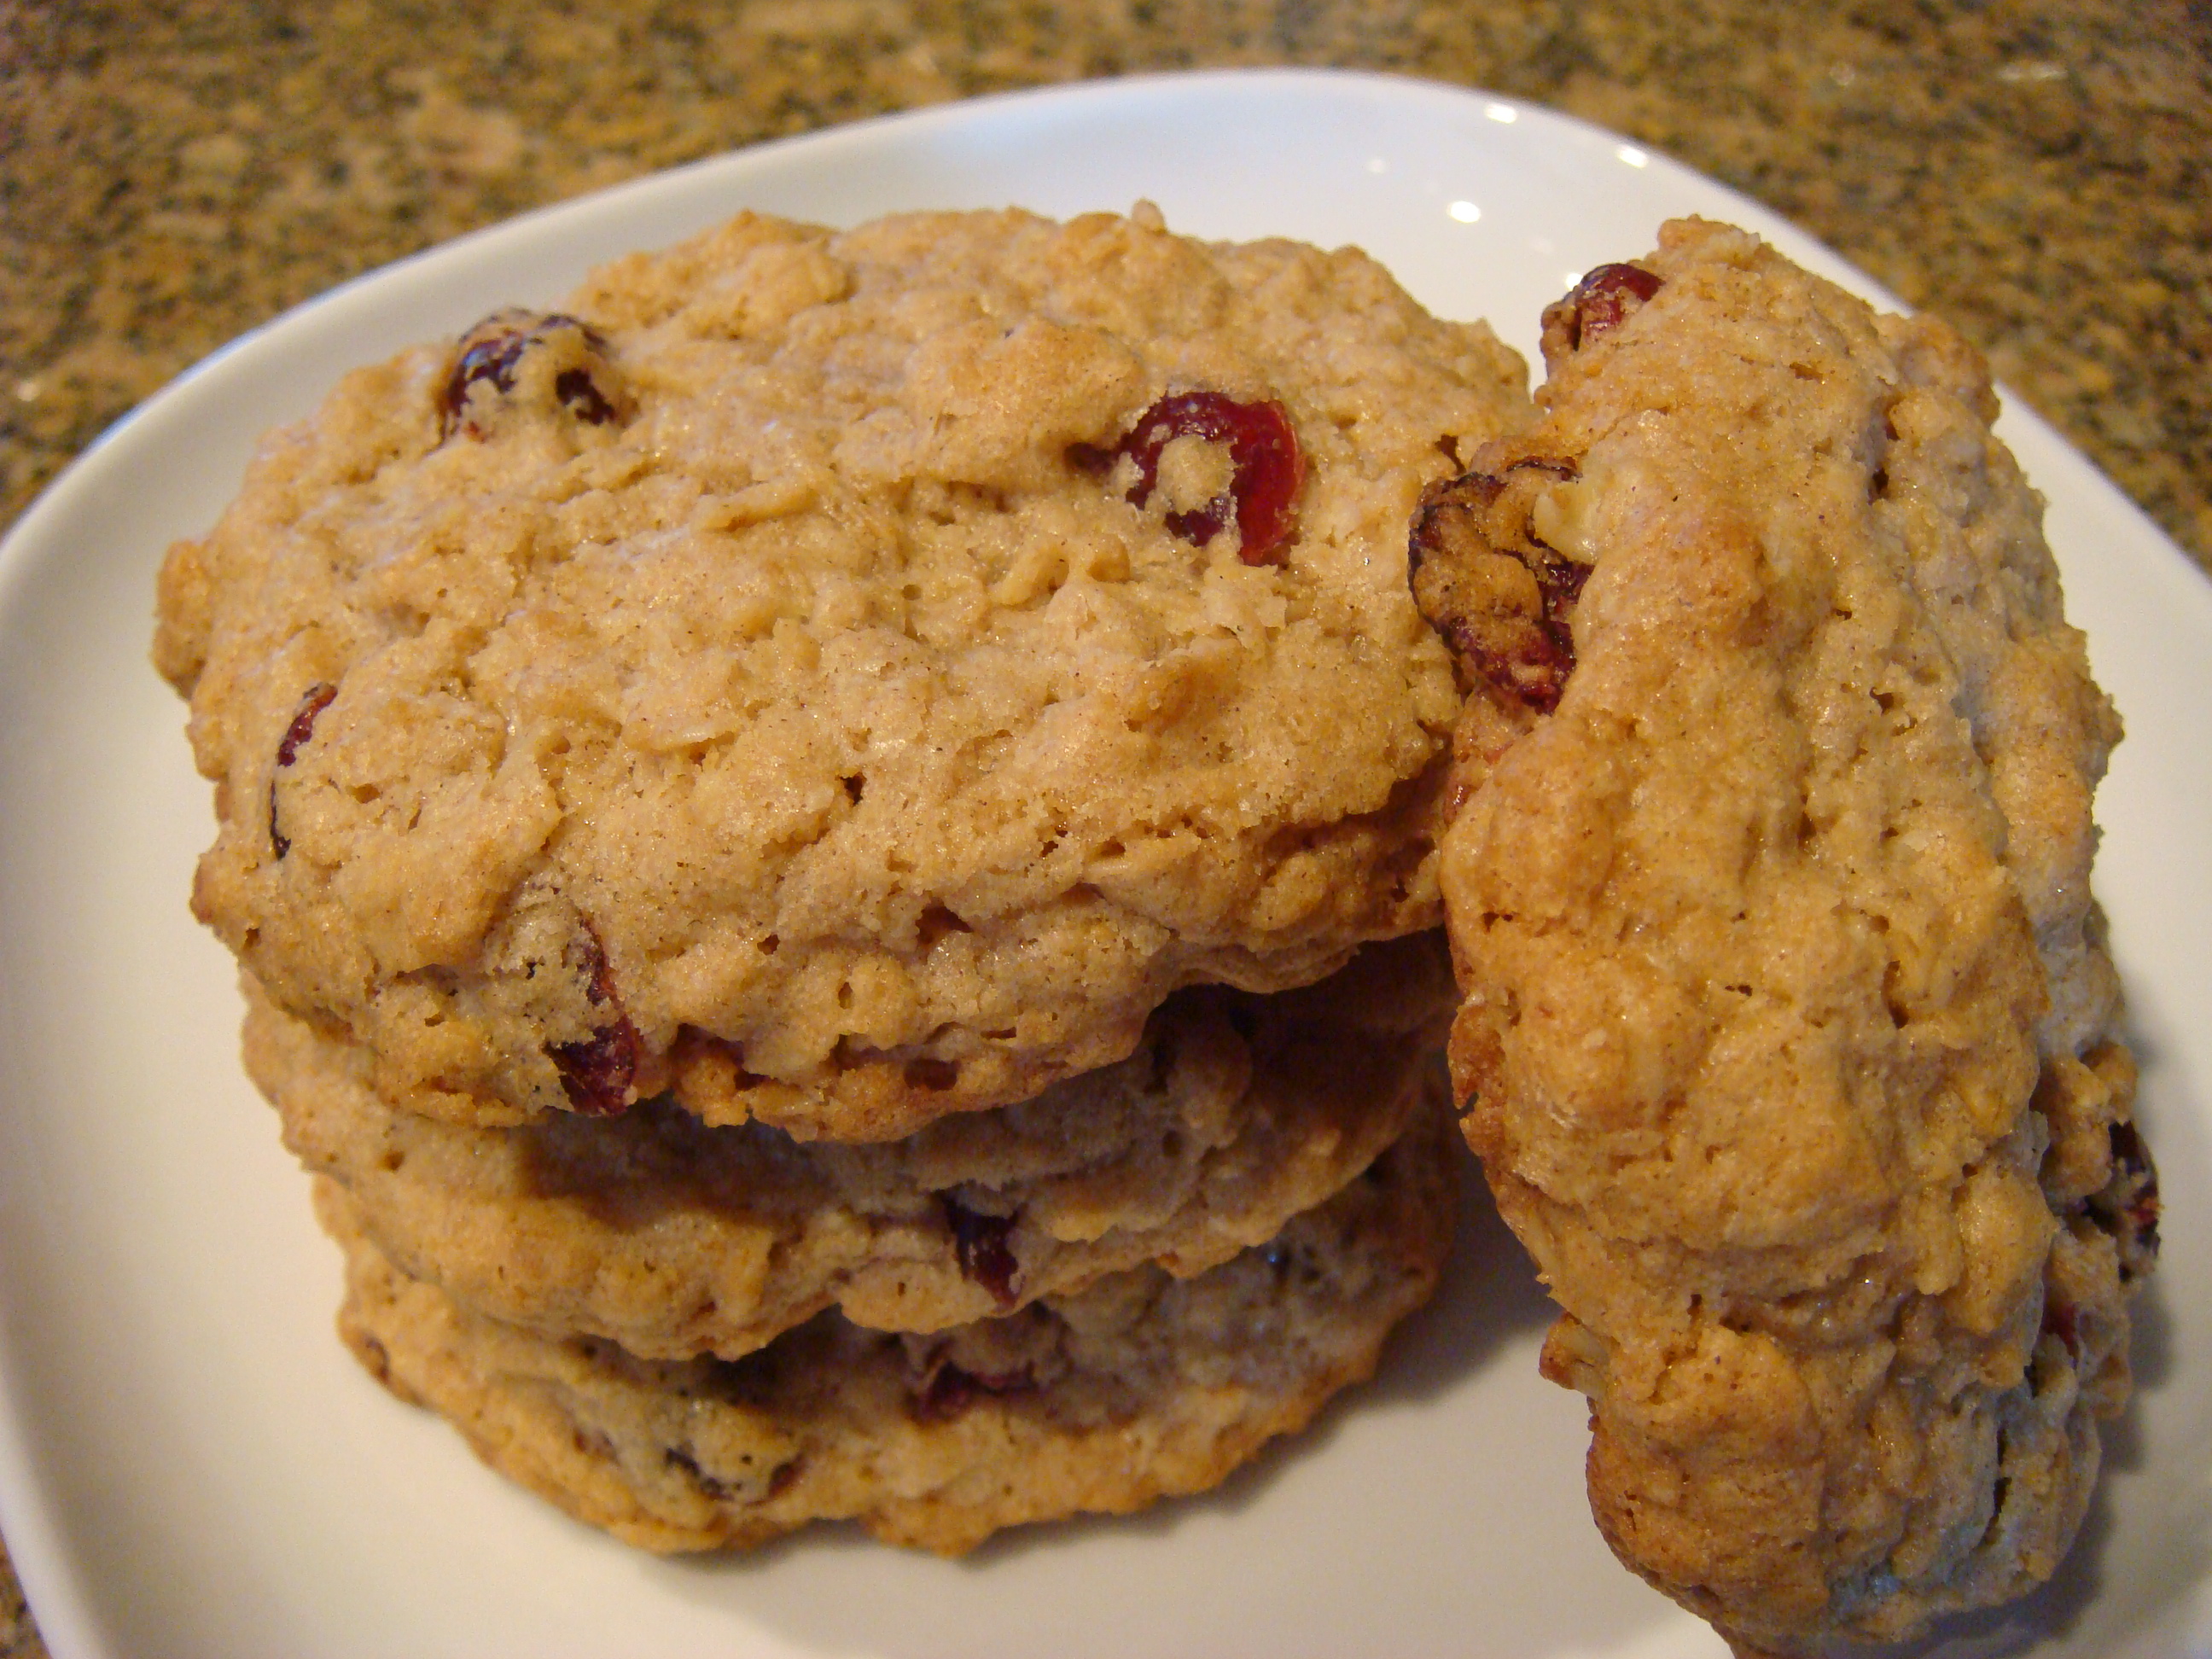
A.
pixel 774 677
pixel 1787 1043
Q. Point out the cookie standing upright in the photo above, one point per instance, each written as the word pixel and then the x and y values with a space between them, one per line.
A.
pixel 842 678
pixel 1790 1033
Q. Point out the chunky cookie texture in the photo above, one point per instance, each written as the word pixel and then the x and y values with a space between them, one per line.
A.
pixel 1788 1040
pixel 674 1238
pixel 1141 1386
pixel 838 679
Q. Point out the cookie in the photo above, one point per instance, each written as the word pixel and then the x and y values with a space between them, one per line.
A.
pixel 1140 1387
pixel 1789 1039
pixel 674 1238
pixel 843 678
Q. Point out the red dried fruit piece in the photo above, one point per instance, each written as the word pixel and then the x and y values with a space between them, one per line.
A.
pixel 980 1243
pixel 950 1391
pixel 1267 469
pixel 1501 598
pixel 491 356
pixel 1604 298
pixel 596 1072
pixel 302 727
pixel 1602 301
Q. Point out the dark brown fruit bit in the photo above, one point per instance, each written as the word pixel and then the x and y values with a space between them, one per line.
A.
pixel 596 1072
pixel 1502 600
pixel 981 1243
pixel 950 1391
pixel 490 369
pixel 1600 302
pixel 296 734
pixel 1267 469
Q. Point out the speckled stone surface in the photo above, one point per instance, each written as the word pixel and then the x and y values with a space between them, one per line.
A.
pixel 2039 171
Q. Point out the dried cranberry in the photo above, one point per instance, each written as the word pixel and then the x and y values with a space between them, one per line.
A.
pixel 596 1071
pixel 1602 301
pixel 302 727
pixel 296 734
pixel 1462 529
pixel 950 1391
pixel 1267 469
pixel 491 356
pixel 980 1244
pixel 1605 297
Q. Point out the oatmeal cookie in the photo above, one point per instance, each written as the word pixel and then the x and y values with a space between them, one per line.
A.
pixel 841 677
pixel 1789 1032
pixel 1141 1386
pixel 674 1238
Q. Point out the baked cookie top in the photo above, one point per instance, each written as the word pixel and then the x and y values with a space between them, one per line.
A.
pixel 675 1238
pixel 1787 1021
pixel 1139 1388
pixel 878 667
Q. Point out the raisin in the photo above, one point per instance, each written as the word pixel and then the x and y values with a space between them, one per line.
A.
pixel 488 371
pixel 296 734
pixel 950 1391
pixel 1600 302
pixel 980 1244
pixel 1502 600
pixel 1267 469
pixel 598 1071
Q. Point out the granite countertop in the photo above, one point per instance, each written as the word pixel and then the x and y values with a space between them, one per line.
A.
pixel 2038 171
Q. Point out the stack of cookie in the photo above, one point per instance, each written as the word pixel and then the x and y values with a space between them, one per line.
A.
pixel 833 849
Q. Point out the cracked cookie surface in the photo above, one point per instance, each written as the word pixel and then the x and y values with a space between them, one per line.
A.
pixel 1789 1040
pixel 838 679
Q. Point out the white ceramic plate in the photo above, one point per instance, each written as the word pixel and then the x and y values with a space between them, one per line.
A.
pixel 189 1465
